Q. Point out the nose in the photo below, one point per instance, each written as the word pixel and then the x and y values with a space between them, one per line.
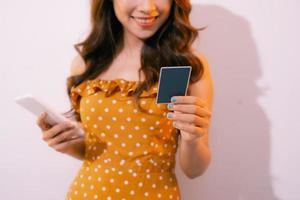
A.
pixel 148 7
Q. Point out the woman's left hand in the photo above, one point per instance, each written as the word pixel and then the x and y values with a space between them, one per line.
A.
pixel 191 116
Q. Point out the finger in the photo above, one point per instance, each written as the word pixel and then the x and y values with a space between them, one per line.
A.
pixel 188 118
pixel 63 136
pixel 194 130
pixel 61 147
pixel 56 129
pixel 177 111
pixel 42 123
pixel 188 100
pixel 64 114
pixel 67 115
pixel 193 109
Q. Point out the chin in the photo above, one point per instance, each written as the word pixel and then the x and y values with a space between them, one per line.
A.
pixel 145 35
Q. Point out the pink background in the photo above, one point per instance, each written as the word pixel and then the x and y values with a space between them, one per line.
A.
pixel 253 50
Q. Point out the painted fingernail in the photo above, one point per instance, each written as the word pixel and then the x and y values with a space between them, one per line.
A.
pixel 170 115
pixel 170 106
pixel 173 99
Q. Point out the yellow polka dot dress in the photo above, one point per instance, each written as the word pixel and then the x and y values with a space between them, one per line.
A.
pixel 130 154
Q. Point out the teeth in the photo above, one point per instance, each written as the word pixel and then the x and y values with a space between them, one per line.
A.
pixel 145 21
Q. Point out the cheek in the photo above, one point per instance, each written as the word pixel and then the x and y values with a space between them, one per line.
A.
pixel 122 10
pixel 165 5
pixel 165 9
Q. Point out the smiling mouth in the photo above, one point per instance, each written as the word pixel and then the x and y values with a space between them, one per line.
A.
pixel 145 20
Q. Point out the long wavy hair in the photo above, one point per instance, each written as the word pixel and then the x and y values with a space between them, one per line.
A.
pixel 171 45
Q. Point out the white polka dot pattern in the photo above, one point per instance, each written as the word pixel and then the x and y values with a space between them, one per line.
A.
pixel 130 154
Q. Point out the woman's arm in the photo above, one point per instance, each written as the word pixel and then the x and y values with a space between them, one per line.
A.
pixel 195 156
pixel 77 146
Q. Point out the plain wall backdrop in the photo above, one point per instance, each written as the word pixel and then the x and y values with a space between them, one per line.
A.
pixel 253 51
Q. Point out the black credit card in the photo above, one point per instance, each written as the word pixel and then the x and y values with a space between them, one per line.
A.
pixel 173 81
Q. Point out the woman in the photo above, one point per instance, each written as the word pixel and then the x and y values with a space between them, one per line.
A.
pixel 128 142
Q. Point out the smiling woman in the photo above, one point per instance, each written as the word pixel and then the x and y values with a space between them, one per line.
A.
pixel 142 19
pixel 129 144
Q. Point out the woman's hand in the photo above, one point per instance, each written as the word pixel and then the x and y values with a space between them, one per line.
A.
pixel 191 116
pixel 62 136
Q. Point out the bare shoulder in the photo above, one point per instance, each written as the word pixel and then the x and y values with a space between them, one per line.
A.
pixel 77 65
pixel 204 87
pixel 204 62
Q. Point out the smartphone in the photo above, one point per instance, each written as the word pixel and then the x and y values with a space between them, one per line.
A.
pixel 36 106
pixel 173 81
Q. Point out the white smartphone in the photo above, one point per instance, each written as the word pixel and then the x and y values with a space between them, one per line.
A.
pixel 36 106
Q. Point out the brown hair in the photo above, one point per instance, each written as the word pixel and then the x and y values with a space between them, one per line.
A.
pixel 169 46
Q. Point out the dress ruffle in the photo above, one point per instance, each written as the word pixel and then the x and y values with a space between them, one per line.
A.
pixel 109 87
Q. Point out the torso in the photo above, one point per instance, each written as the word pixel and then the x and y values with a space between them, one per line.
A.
pixel 128 152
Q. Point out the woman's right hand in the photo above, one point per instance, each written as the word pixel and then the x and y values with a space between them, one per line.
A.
pixel 62 136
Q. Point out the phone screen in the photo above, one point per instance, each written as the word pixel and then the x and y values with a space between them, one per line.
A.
pixel 173 81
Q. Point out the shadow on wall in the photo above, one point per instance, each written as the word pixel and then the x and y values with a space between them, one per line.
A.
pixel 240 130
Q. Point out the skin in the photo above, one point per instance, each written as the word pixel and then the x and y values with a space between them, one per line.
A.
pixel 127 11
pixel 190 114
pixel 64 137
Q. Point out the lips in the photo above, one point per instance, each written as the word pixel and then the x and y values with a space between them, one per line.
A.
pixel 145 22
pixel 148 17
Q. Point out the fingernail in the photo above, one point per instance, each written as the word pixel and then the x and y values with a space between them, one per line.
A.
pixel 173 99
pixel 170 106
pixel 170 115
